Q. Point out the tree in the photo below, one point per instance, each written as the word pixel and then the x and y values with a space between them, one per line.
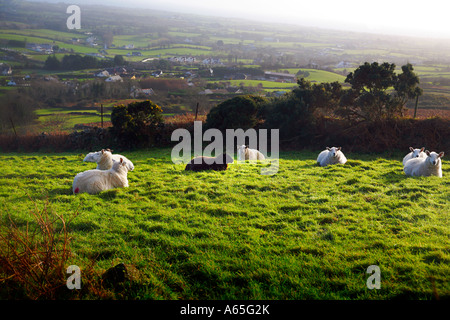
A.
pixel 371 96
pixel 52 63
pixel 119 60
pixel 318 97
pixel 407 86
pixel 135 123
pixel 287 113
pixel 240 112
pixel 78 62
pixel 108 38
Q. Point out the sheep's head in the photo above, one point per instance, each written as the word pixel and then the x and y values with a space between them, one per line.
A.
pixel 416 152
pixel 334 151
pixel 120 166
pixel 434 158
pixel 93 156
pixel 241 152
pixel 97 156
pixel 105 153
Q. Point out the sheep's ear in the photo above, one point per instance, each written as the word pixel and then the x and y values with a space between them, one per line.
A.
pixel 103 150
pixel 427 152
pixel 121 160
pixel 423 148
pixel 441 154
pixel 246 147
pixel 339 148
pixel 411 148
pixel 328 149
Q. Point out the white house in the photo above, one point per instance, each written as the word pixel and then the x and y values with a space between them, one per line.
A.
pixel 343 64
pixel 5 69
pixel 211 61
pixel 114 79
pixel 91 41
pixel 138 92
pixel 103 74
pixel 206 91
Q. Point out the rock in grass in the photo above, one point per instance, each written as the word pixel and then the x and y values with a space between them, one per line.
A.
pixel 116 275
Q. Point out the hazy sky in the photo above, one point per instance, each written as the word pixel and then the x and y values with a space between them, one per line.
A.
pixel 429 18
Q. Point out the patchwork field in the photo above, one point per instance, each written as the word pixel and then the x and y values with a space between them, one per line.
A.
pixel 304 233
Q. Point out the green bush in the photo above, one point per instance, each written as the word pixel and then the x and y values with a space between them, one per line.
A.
pixel 236 113
pixel 289 114
pixel 135 124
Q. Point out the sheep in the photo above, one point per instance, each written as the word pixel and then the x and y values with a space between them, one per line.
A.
pixel 245 153
pixel 201 163
pixel 93 181
pixel 332 155
pixel 104 159
pixel 425 167
pixel 415 153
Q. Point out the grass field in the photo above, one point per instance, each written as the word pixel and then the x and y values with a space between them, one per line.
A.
pixel 320 75
pixel 304 233
pixel 266 85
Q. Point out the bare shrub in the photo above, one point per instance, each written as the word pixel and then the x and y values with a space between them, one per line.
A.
pixel 33 257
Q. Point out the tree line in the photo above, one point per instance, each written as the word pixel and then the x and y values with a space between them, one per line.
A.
pixel 79 62
pixel 375 92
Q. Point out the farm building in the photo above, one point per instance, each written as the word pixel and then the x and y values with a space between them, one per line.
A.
pixel 344 64
pixel 42 47
pixel 138 92
pixel 103 74
pixel 115 78
pixel 5 69
pixel 211 61
pixel 275 76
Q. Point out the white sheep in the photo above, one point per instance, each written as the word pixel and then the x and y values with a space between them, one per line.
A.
pixel 104 159
pixel 425 167
pixel 93 181
pixel 415 153
pixel 332 155
pixel 245 153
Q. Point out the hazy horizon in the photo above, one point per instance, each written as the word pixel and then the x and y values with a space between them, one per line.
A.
pixel 405 18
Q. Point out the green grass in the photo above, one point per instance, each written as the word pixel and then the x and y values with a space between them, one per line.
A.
pixel 72 120
pixel 320 75
pixel 255 83
pixel 50 35
pixel 305 233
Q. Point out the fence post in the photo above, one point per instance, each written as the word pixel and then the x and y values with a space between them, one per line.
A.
pixel 14 128
pixel 415 107
pixel 196 112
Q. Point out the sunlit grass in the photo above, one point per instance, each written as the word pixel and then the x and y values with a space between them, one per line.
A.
pixel 305 233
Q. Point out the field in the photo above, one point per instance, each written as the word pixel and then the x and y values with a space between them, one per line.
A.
pixel 304 233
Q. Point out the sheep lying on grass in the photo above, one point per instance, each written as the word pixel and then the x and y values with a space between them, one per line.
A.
pixel 332 155
pixel 429 166
pixel 245 153
pixel 104 159
pixel 94 181
pixel 415 153
pixel 218 163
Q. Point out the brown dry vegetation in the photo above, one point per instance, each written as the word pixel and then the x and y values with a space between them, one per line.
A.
pixel 429 113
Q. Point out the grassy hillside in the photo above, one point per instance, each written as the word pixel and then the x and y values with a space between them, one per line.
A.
pixel 305 233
